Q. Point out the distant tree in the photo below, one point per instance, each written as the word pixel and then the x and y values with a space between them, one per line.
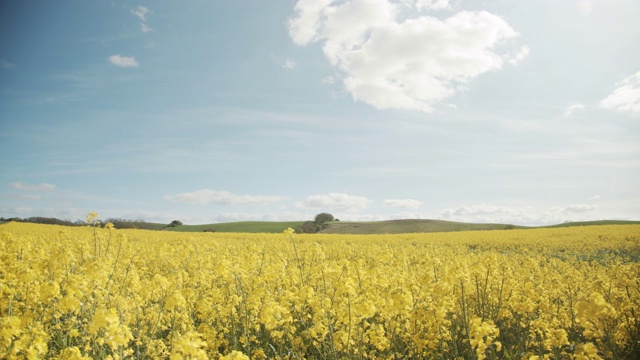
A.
pixel 308 227
pixel 175 223
pixel 323 218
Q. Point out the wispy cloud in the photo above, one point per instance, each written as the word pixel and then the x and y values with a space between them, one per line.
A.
pixel 584 6
pixel 208 197
pixel 579 208
pixel 482 213
pixel 391 61
pixel 141 12
pixel 289 64
pixel 519 56
pixel 335 202
pixel 404 203
pixel 123 61
pixel 626 97
pixel 431 4
pixel 145 28
pixel 18 185
pixel 573 109
pixel 328 80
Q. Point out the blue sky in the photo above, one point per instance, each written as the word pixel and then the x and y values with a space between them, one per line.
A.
pixel 524 112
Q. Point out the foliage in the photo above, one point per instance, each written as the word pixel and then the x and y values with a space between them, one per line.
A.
pixel 319 223
pixel 100 292
pixel 309 227
pixel 175 223
pixel 323 218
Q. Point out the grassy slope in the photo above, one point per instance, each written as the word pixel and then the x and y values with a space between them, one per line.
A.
pixel 414 226
pixel 406 226
pixel 372 227
pixel 240 226
pixel 597 222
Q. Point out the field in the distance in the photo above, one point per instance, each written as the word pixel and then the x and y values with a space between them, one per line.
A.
pixel 240 226
pixel 373 227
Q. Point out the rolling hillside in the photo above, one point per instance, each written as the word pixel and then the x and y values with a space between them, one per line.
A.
pixel 407 226
pixel 353 227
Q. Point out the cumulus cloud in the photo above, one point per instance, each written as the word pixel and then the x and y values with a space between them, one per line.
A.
pixel 404 203
pixel 33 187
pixel 626 97
pixel 208 197
pixel 335 202
pixel 123 61
pixel 391 60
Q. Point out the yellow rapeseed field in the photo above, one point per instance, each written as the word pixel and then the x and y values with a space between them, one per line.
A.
pixel 98 292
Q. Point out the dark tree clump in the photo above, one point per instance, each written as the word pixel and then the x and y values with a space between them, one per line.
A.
pixel 323 218
pixel 308 227
pixel 175 223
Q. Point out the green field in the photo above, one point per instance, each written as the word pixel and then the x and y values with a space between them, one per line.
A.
pixel 407 226
pixel 369 227
pixel 350 227
pixel 240 226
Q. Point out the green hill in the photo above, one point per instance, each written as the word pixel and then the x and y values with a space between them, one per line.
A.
pixel 368 227
pixel 347 227
pixel 422 226
pixel 407 226
pixel 240 226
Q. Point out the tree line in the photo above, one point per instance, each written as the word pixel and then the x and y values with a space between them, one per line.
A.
pixel 117 223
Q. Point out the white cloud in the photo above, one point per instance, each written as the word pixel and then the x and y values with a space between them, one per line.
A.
pixel 289 64
pixel 581 208
pixel 406 215
pixel 626 97
pixel 514 215
pixel 335 202
pixel 33 187
pixel 404 203
pixel 484 213
pixel 208 196
pixel 573 108
pixel 584 6
pixel 431 4
pixel 391 61
pixel 523 53
pixel 123 61
pixel 328 80
pixel 140 12
pixel 145 28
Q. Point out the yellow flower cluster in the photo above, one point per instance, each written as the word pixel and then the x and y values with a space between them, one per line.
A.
pixel 103 293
